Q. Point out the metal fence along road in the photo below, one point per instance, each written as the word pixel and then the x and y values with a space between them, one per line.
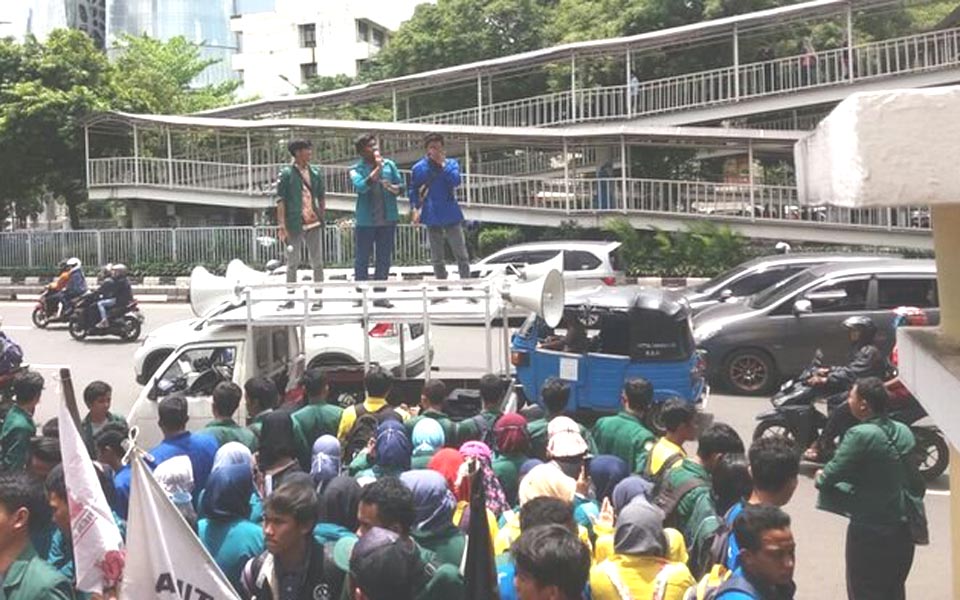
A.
pixel 575 195
pixel 190 245
pixel 886 58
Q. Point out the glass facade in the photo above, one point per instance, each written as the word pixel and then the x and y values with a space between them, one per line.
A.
pixel 205 22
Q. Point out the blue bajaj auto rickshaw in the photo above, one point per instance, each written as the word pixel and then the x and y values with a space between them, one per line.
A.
pixel 615 335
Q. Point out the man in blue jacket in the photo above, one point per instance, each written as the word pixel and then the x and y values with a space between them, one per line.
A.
pixel 378 182
pixel 433 202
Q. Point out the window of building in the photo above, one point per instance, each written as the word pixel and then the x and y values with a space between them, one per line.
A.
pixel 308 71
pixel 363 31
pixel 308 35
pixel 378 38
pixel 239 35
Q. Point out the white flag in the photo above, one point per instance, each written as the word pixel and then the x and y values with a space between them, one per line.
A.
pixel 97 545
pixel 165 559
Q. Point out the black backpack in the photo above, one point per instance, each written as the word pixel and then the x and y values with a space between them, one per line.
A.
pixel 365 429
pixel 486 431
pixel 667 496
pixel 328 580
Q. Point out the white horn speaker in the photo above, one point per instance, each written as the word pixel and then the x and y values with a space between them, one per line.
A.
pixel 532 272
pixel 241 275
pixel 545 296
pixel 208 290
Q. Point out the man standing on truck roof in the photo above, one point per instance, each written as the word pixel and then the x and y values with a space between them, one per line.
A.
pixel 300 208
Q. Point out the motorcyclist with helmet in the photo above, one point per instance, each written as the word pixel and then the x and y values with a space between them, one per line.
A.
pixel 77 282
pixel 865 360
pixel 115 290
pixel 58 288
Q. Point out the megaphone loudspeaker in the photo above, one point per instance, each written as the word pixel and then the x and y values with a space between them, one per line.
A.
pixel 545 296
pixel 208 290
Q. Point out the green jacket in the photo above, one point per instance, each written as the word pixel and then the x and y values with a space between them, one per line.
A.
pixel 507 469
pixel 30 578
pixel 227 430
pixel 364 211
pixel 470 429
pixel 448 543
pixel 290 192
pixel 538 430
pixel 449 427
pixel 696 514
pixel 311 422
pixel 86 431
pixel 866 470
pixel 15 436
pixel 624 435
pixel 421 458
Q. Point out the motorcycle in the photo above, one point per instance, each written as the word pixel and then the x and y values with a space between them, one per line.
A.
pixel 125 322
pixel 45 312
pixel 796 416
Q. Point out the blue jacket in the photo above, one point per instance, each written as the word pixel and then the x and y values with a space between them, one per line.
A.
pixel 199 447
pixel 77 283
pixel 358 175
pixel 440 206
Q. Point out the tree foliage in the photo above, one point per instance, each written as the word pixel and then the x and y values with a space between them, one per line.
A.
pixel 48 89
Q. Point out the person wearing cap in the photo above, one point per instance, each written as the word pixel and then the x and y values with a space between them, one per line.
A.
pixel 680 420
pixel 200 448
pixel 555 394
pixel 568 450
pixel 300 209
pixel 294 565
pixel 18 426
pixel 625 434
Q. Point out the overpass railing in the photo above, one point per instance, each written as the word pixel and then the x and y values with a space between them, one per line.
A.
pixel 574 195
pixel 885 58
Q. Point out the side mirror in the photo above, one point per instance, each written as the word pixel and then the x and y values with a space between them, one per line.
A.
pixel 726 295
pixel 802 306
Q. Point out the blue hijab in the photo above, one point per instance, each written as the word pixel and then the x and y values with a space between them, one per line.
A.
pixel 393 447
pixel 227 495
pixel 325 464
pixel 428 435
pixel 627 490
pixel 432 498
pixel 606 471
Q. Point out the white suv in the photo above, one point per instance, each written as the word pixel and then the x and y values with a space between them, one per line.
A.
pixel 586 264
pixel 326 345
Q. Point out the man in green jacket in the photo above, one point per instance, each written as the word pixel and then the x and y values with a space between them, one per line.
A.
pixel 480 427
pixel 262 397
pixel 378 183
pixel 226 400
pixel 317 418
pixel 625 434
pixel 97 396
pixel 300 208
pixel 555 395
pixel 18 426
pixel 431 406
pixel 686 496
pixel 24 575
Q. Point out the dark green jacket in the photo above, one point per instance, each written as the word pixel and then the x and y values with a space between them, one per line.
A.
pixel 30 578
pixel 696 513
pixel 86 431
pixel 421 458
pixel 227 430
pixel 624 435
pixel 507 469
pixel 18 428
pixel 470 429
pixel 290 192
pixel 448 543
pixel 449 427
pixel 866 470
pixel 311 422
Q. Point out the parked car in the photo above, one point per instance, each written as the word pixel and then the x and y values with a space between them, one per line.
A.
pixel 752 345
pixel 639 332
pixel 586 264
pixel 326 345
pixel 748 278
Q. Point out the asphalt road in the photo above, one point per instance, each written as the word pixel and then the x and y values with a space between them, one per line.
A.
pixel 820 536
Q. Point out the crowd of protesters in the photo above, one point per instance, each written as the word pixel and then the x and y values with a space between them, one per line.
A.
pixel 372 501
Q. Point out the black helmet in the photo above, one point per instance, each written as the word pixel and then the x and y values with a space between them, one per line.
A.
pixel 863 324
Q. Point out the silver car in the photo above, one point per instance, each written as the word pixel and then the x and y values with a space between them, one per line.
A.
pixel 748 278
pixel 753 344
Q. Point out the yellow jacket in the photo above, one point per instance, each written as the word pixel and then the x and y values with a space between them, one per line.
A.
pixel 510 532
pixel 662 451
pixel 642 576
pixel 349 416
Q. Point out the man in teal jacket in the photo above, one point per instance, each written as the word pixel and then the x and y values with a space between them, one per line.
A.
pixel 18 427
pixel 378 182
pixel 300 208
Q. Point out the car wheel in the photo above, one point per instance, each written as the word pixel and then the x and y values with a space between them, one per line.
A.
pixel 750 372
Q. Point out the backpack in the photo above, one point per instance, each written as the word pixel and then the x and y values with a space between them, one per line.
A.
pixel 486 431
pixel 705 590
pixel 11 354
pixel 365 429
pixel 666 495
pixel 714 560
pixel 254 577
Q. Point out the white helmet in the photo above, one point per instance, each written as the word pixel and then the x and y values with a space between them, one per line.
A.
pixel 73 261
pixel 120 270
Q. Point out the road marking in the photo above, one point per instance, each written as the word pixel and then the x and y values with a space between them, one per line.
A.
pixel 938 492
pixel 16 327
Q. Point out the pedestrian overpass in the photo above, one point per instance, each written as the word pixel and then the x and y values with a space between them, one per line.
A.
pixel 234 163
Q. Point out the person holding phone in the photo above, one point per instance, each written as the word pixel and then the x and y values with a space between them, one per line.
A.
pixel 378 183
pixel 300 208
pixel 433 202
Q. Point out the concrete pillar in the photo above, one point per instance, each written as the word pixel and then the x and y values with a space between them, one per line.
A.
pixel 139 214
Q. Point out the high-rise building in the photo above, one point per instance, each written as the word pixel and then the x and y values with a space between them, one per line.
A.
pixel 40 17
pixel 204 22
pixel 280 49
